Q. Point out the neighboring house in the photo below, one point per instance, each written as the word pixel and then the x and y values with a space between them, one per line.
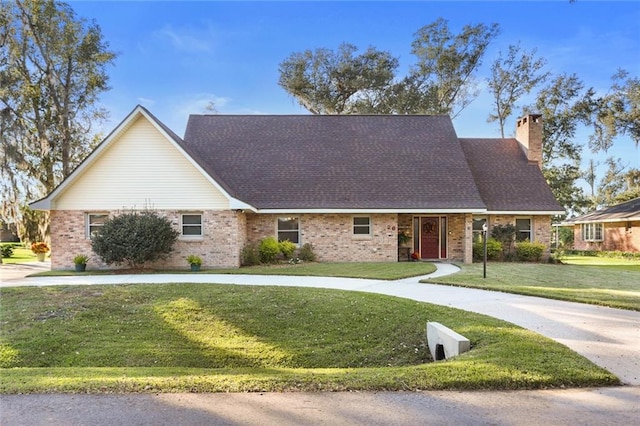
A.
pixel 347 184
pixel 614 228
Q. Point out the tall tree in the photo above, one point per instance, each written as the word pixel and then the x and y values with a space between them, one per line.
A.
pixel 447 63
pixel 441 81
pixel 52 70
pixel 513 76
pixel 564 104
pixel 328 82
pixel 617 112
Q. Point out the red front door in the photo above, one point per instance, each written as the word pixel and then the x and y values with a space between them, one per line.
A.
pixel 430 238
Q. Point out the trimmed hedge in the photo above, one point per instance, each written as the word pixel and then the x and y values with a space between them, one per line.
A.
pixel 529 252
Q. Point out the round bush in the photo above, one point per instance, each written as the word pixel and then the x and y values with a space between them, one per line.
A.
pixel 134 239
pixel 528 252
pixel 494 250
pixel 287 248
pixel 269 250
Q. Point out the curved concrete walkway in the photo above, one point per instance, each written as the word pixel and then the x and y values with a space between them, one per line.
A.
pixel 608 337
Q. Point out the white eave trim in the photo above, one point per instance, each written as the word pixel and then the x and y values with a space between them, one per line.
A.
pixel 617 220
pixel 351 211
pixel 528 213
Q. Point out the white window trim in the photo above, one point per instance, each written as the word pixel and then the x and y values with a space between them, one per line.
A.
pixel 182 225
pixel 589 232
pixel 531 233
pixel 87 222
pixel 369 226
pixel 299 243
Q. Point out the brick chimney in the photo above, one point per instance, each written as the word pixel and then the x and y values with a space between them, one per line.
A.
pixel 529 135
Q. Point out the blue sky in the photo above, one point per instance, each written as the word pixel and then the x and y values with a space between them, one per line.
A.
pixel 175 57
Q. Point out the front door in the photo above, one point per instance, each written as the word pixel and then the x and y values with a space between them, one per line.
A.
pixel 430 238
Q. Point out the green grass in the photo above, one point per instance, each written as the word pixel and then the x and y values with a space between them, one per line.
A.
pixel 371 270
pixel 617 286
pixel 20 255
pixel 602 261
pixel 217 338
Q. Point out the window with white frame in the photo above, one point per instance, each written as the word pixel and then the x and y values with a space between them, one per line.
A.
pixel 361 225
pixel 523 229
pixel 94 222
pixel 478 223
pixel 191 225
pixel 592 232
pixel 289 229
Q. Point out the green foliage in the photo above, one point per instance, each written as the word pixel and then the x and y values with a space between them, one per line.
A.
pixel 494 250
pixel 528 251
pixel 203 337
pixel 52 72
pixel 306 253
pixel 287 248
pixel 134 239
pixel 505 235
pixel 269 250
pixel 513 77
pixel 192 259
pixel 328 82
pixel 250 255
pixel 6 251
pixel 81 259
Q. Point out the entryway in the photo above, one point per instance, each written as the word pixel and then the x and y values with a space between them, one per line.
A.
pixel 431 241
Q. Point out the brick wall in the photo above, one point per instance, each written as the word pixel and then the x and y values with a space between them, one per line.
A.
pixel 332 236
pixel 220 247
pixel 618 236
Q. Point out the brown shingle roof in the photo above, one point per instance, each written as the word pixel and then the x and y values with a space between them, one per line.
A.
pixel 629 210
pixel 359 162
pixel 507 181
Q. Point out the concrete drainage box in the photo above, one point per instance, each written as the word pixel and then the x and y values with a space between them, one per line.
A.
pixel 445 343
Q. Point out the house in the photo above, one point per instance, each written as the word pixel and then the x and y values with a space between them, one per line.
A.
pixel 613 228
pixel 346 184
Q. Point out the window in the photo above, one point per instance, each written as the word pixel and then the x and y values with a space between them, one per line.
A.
pixel 477 228
pixel 361 225
pixel 191 225
pixel 592 232
pixel 289 229
pixel 95 221
pixel 523 230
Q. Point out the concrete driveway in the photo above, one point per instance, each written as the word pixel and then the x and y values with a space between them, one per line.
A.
pixel 608 337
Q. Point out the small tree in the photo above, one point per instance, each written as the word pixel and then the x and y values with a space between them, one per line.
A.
pixel 505 234
pixel 134 239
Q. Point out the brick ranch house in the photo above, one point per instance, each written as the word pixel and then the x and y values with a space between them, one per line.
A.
pixel 346 184
pixel 613 228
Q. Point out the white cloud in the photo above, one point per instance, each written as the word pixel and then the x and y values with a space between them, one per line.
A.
pixel 146 101
pixel 187 39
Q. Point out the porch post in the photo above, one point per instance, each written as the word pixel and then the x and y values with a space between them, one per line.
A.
pixel 468 238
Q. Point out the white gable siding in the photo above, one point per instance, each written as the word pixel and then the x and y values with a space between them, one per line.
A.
pixel 141 169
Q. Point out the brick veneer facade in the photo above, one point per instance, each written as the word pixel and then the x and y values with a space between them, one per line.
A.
pixel 227 232
pixel 618 236
pixel 224 238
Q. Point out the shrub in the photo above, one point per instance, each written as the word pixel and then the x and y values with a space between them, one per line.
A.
pixel 494 250
pixel 287 248
pixel 306 253
pixel 7 251
pixel 134 238
pixel 81 259
pixel 192 259
pixel 249 255
pixel 268 249
pixel 527 251
pixel 505 234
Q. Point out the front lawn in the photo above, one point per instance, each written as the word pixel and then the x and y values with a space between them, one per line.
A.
pixel 218 338
pixel 370 270
pixel 20 255
pixel 617 286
